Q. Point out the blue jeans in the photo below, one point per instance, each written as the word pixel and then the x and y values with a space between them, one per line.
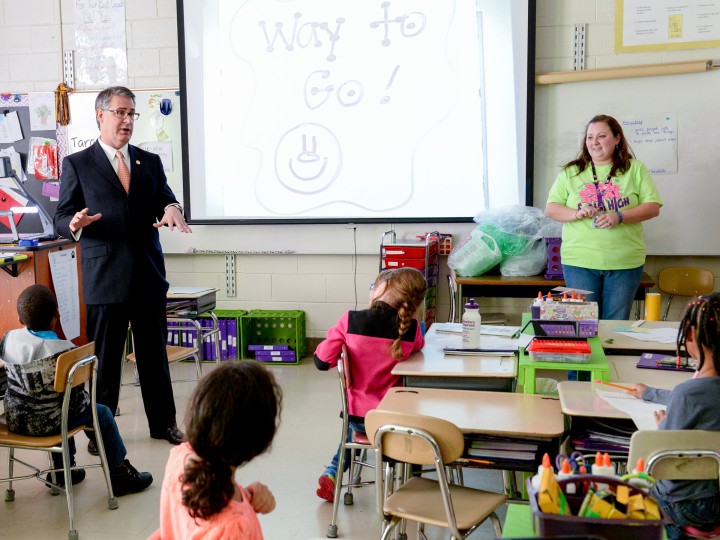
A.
pixel 114 447
pixel 353 427
pixel 700 513
pixel 613 290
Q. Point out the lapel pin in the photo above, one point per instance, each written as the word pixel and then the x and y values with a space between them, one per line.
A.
pixel 137 162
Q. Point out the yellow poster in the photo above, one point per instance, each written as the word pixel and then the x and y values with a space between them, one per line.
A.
pixel 666 25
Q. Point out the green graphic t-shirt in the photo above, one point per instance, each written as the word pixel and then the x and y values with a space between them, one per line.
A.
pixel 619 248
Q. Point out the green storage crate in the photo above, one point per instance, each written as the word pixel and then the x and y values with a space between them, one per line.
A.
pixel 274 327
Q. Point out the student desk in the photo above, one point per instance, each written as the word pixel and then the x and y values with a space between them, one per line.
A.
pixel 432 368
pixel 489 413
pixel 579 399
pixel 503 414
pixel 524 287
pixel 623 370
pixel 624 345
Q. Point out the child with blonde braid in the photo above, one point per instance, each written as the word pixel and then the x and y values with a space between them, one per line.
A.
pixel 377 339
pixel 693 506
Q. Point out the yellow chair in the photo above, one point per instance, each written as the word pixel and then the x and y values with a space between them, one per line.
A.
pixel 408 439
pixel 74 367
pixel 358 447
pixel 684 281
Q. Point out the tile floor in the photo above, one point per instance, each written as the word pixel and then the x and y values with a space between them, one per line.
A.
pixel 307 437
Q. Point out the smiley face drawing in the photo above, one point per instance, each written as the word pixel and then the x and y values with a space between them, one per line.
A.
pixel 308 158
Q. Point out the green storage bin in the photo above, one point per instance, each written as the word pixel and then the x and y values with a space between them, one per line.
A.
pixel 274 327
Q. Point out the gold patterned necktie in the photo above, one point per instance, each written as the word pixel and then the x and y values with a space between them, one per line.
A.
pixel 123 172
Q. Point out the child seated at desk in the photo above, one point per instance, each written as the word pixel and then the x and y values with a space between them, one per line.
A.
pixel 691 405
pixel 32 407
pixel 377 339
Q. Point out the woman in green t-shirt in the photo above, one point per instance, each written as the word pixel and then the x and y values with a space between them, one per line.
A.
pixel 602 197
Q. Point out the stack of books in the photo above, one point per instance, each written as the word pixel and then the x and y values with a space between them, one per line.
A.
pixel 273 353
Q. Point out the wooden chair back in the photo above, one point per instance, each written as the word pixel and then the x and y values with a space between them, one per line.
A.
pixel 410 438
pixel 686 281
pixel 67 360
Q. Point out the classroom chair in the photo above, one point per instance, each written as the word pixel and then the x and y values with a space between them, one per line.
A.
pixel 74 368
pixel 403 439
pixel 684 454
pixel 358 448
pixel 684 281
pixel 175 354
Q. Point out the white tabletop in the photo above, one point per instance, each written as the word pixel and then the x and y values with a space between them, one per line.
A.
pixel 580 399
pixel 431 361
pixel 490 413
pixel 623 371
pixel 607 331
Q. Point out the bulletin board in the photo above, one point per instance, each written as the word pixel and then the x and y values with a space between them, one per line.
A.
pixel 44 192
pixel 156 130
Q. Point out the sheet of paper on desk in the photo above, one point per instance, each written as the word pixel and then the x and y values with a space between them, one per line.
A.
pixel 497 330
pixel 496 342
pixel 453 351
pixel 658 335
pixel 448 328
pixel 640 411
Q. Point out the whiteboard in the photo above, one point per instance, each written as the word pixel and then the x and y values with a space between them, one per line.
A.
pixel 337 110
pixel 687 223
pixel 154 131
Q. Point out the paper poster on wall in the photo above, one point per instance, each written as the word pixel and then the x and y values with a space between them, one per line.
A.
pixel 100 45
pixel 666 24
pixel 63 268
pixel 42 111
pixel 653 138
pixel 10 130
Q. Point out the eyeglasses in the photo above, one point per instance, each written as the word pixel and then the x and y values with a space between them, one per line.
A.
pixel 123 114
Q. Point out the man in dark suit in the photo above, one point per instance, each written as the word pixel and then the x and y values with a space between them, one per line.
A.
pixel 113 199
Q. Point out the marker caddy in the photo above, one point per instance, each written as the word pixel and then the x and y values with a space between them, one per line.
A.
pixel 635 514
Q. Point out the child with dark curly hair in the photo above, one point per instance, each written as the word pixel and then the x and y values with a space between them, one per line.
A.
pixel 231 418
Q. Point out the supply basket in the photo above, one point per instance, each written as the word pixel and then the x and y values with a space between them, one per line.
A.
pixel 552 525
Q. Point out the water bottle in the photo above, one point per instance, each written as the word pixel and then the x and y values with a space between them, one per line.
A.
pixel 471 325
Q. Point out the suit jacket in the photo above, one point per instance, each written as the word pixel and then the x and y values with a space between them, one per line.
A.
pixel 122 249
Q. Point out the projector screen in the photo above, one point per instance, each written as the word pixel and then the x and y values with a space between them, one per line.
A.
pixel 312 111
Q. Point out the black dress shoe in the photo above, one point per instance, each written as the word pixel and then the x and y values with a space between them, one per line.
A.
pixel 92 449
pixel 126 479
pixel 172 435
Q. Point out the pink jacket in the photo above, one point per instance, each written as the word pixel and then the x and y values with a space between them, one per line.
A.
pixel 368 335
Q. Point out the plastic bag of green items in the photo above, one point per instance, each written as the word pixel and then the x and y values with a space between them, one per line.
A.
pixel 475 254
pixel 512 226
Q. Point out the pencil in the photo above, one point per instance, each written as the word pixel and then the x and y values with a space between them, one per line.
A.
pixel 472 460
pixel 620 386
